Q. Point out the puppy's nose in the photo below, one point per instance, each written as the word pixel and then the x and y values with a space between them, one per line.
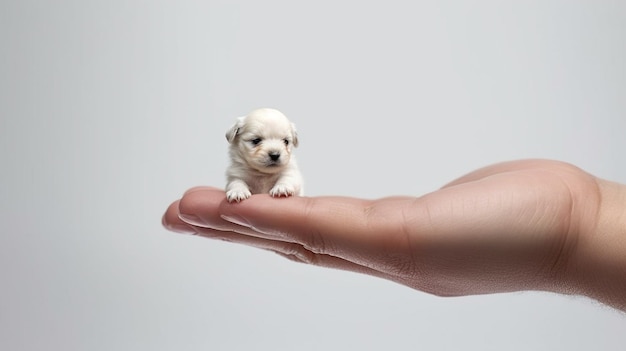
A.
pixel 274 156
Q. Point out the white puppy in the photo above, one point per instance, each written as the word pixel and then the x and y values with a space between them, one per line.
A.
pixel 261 145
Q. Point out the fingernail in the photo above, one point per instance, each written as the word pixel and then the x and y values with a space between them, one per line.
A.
pixel 181 229
pixel 177 227
pixel 190 219
pixel 236 220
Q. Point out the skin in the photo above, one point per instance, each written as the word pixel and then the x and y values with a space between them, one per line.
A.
pixel 514 226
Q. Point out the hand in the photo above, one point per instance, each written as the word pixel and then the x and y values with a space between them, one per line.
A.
pixel 524 225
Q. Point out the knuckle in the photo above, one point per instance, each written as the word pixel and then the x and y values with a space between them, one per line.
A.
pixel 314 240
pixel 298 253
pixel 315 243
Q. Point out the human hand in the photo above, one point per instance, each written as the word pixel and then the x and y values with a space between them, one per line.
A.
pixel 524 225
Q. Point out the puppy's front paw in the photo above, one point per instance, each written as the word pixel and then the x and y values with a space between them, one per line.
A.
pixel 282 190
pixel 237 195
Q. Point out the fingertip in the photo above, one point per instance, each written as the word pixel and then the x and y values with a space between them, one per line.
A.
pixel 181 228
pixel 193 209
pixel 171 222
pixel 171 214
pixel 200 208
pixel 198 200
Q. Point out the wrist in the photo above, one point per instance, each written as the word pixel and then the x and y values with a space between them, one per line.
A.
pixel 599 262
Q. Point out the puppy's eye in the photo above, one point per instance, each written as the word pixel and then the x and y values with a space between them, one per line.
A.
pixel 286 141
pixel 256 141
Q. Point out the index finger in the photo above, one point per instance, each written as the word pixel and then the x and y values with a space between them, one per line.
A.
pixel 351 228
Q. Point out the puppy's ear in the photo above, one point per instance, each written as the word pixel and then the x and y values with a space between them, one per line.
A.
pixel 233 131
pixel 294 135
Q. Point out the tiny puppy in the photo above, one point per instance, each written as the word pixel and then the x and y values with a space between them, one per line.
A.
pixel 262 162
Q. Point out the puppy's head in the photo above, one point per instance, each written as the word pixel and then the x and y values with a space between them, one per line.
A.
pixel 263 140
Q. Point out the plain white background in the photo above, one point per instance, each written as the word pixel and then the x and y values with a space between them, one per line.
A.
pixel 111 109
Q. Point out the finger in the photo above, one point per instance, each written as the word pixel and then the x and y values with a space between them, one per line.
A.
pixel 295 219
pixel 292 251
pixel 171 219
pixel 289 250
pixel 199 208
pixel 353 229
pixel 172 222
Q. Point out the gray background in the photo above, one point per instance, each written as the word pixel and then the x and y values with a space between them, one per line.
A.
pixel 111 109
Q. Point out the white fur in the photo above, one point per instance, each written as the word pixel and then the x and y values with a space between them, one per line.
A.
pixel 262 162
